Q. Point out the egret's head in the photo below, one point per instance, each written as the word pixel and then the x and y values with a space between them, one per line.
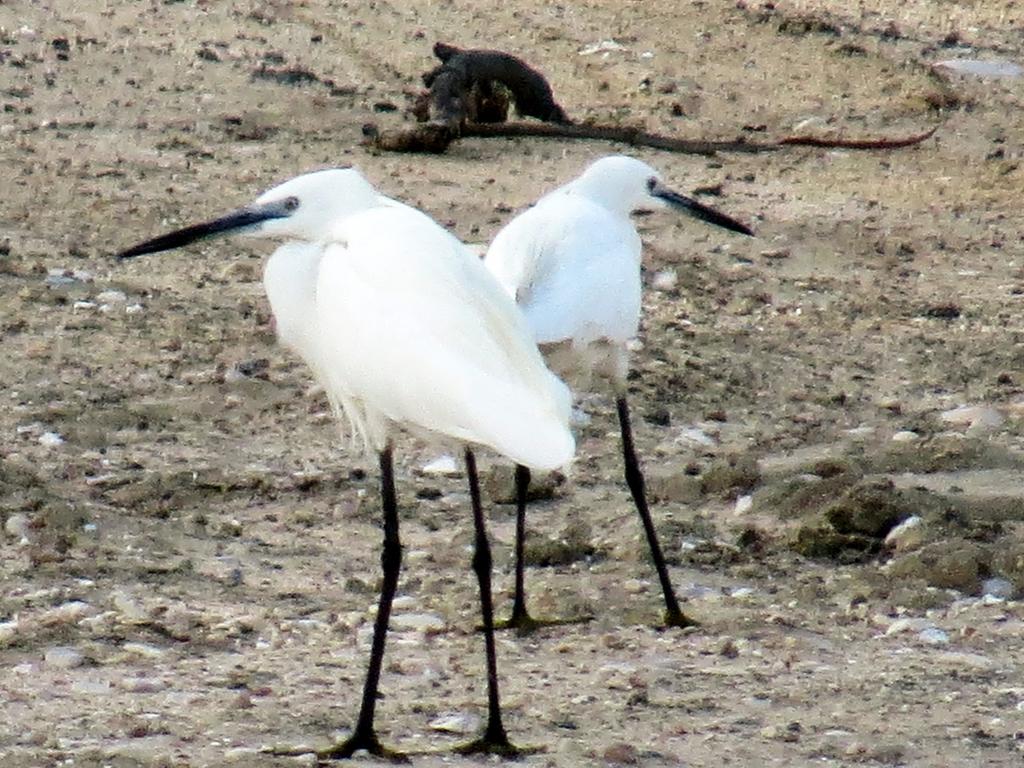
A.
pixel 624 184
pixel 304 208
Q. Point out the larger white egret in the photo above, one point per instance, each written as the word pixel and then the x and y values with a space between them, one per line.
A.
pixel 572 262
pixel 404 328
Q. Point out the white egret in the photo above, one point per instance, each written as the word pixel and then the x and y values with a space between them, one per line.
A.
pixel 572 262
pixel 405 329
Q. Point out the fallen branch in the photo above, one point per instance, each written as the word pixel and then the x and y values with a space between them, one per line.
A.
pixel 436 137
pixel 883 143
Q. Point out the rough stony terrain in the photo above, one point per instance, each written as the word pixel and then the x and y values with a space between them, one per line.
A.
pixel 830 414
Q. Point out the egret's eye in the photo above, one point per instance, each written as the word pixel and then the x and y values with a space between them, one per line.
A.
pixel 291 203
pixel 652 182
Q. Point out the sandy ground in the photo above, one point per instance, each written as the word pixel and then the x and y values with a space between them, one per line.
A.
pixel 189 563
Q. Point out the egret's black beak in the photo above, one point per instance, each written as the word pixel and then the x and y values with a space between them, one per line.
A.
pixel 240 220
pixel 698 210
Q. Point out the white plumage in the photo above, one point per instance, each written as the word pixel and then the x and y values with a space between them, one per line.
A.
pixel 405 329
pixel 403 326
pixel 572 263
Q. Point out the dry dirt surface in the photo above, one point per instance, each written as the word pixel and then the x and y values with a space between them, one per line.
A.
pixel 830 413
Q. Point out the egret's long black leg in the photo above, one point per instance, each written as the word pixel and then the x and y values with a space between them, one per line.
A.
pixel 494 739
pixel 674 617
pixel 364 736
pixel 520 621
pixel 520 615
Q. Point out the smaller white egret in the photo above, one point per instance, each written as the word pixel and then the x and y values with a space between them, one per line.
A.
pixel 405 329
pixel 572 262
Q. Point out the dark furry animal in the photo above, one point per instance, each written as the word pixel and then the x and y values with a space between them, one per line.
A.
pixel 470 85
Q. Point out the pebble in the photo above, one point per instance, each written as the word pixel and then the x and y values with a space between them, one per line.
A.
pixel 977 418
pixel 966 660
pixel 418 622
pixel 130 608
pixel 744 503
pixel 908 625
pixel 17 526
pixel 9 630
pixel 905 436
pixel 403 602
pixel 979 68
pixel 111 297
pixel 63 657
pixel 456 722
pixel 245 755
pixel 91 687
pixel 144 650
pixel 70 612
pixel 50 439
pixel 694 436
pixel 933 636
pixel 998 588
pixel 134 309
pixel 442 465
pixel 142 684
pixel 601 46
pixel 908 535
pixel 665 280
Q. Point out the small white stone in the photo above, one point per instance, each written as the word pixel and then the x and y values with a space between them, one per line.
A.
pixel 9 630
pixel 456 722
pixel 51 439
pixel 998 588
pixel 973 416
pixel 134 309
pixel 17 526
pixel 744 503
pixel 403 602
pixel 981 68
pixel 695 436
pixel 63 657
pixel 70 612
pixel 907 535
pixel 142 684
pixel 83 305
pixel 91 687
pixel 665 280
pixel 442 465
pixel 967 660
pixel 905 436
pixel 145 650
pixel 601 46
pixel 111 297
pixel 933 636
pixel 246 755
pixel 418 622
pixel 908 625
pixel 130 608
